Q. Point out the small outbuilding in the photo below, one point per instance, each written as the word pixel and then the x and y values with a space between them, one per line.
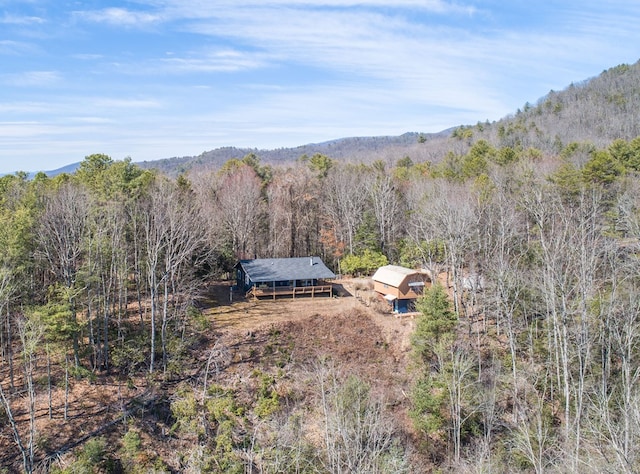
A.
pixel 284 277
pixel 400 286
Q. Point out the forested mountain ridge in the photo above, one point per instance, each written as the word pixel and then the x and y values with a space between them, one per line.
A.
pixel 353 149
pixel 597 111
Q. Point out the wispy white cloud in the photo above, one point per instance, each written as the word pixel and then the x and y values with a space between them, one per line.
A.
pixel 119 17
pixel 19 108
pixel 30 78
pixel 9 19
pixel 204 8
pixel 87 56
pixel 225 60
pixel 16 130
pixel 11 47
pixel 111 103
pixel 359 46
pixel 357 38
pixel 92 120
pixel 372 41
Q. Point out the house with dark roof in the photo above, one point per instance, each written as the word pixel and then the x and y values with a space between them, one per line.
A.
pixel 399 286
pixel 284 277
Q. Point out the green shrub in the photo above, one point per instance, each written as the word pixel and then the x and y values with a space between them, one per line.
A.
pixel 93 457
pixel 268 401
pixel 184 409
pixel 131 443
pixel 364 264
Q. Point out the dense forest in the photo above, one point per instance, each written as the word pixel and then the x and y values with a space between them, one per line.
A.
pixel 524 359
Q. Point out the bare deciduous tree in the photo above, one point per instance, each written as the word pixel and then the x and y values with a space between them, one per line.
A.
pixel 358 435
pixel 174 234
pixel 293 213
pixel 239 209
pixel 447 213
pixel 387 206
pixel 344 201
pixel 62 235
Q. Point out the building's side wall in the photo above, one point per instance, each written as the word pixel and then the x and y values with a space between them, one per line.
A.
pixel 385 289
pixel 240 278
pixel 407 292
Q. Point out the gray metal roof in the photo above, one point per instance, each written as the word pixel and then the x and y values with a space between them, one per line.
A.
pixel 279 269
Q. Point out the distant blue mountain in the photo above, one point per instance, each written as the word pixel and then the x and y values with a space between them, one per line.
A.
pixel 365 148
pixel 65 169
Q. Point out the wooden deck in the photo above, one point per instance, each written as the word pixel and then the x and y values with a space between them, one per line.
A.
pixel 274 292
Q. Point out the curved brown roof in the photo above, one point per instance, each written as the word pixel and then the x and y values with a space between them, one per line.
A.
pixel 393 275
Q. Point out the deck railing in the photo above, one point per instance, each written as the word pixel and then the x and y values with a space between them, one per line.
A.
pixel 293 291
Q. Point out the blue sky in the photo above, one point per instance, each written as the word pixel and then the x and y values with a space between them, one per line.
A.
pixel 153 79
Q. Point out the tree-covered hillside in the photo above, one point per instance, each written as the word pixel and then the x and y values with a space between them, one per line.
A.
pixel 595 111
pixel 346 149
